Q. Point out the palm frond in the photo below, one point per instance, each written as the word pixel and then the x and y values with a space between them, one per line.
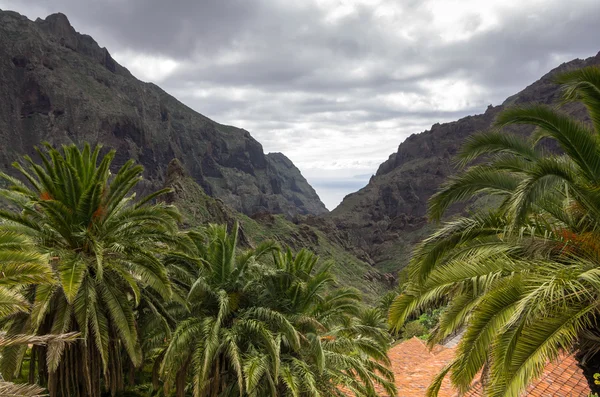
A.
pixel 9 389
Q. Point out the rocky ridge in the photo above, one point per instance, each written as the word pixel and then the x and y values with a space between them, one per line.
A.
pixel 60 86
pixel 388 216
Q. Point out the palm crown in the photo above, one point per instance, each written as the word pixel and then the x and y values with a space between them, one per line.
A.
pixel 257 327
pixel 523 276
pixel 103 245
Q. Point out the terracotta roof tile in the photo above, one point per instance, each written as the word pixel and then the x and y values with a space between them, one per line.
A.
pixel 561 378
pixel 415 366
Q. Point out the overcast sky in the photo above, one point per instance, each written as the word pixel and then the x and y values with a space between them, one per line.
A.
pixel 335 85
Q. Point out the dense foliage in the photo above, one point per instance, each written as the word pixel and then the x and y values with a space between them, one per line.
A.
pixel 160 310
pixel 522 278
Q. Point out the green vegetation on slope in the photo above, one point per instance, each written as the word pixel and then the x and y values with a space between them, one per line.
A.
pixel 197 208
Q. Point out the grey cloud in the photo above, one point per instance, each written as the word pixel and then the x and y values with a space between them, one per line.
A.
pixel 319 90
pixel 294 48
pixel 502 58
pixel 174 28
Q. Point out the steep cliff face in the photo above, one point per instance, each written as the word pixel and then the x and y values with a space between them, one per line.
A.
pixel 60 86
pixel 291 184
pixel 303 231
pixel 388 216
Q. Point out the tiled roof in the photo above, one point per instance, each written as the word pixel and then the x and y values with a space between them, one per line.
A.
pixel 415 366
pixel 562 378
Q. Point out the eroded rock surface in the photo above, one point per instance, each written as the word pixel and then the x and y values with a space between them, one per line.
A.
pixel 388 216
pixel 60 86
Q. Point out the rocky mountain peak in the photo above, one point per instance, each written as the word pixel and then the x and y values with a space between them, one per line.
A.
pixel 60 86
pixel 58 25
pixel 293 183
pixel 387 217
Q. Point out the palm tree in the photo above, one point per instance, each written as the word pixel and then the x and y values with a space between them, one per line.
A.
pixel 261 329
pixel 522 278
pixel 342 347
pixel 20 266
pixel 103 244
pixel 227 339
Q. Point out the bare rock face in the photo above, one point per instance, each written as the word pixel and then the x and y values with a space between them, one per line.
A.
pixel 289 182
pixel 388 216
pixel 60 86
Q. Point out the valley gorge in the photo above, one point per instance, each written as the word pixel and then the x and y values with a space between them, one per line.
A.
pixel 60 86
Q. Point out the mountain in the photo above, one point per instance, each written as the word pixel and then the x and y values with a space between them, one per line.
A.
pixel 388 216
pixel 310 232
pixel 60 86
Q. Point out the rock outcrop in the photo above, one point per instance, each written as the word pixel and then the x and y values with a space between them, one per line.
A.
pixel 388 216
pixel 60 86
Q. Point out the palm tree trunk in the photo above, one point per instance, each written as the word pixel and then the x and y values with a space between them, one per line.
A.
pixel 52 383
pixel 41 365
pixel 131 378
pixel 78 374
pixel 156 371
pixel 180 380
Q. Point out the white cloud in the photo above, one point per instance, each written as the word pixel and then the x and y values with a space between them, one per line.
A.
pixel 147 67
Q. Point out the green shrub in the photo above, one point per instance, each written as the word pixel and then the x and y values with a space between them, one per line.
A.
pixel 430 318
pixel 414 328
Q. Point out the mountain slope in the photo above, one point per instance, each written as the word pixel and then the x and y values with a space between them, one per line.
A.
pixel 388 216
pixel 59 86
pixel 325 240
